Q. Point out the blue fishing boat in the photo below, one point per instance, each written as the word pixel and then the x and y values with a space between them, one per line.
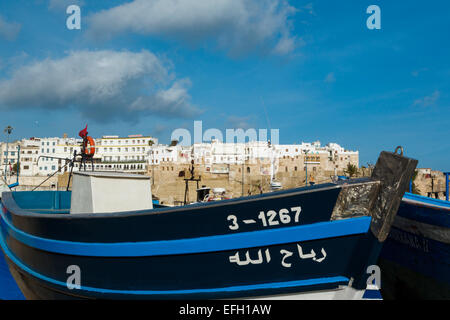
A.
pixel 415 259
pixel 97 242
pixel 8 287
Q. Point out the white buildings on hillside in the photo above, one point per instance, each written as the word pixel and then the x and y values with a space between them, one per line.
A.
pixel 135 153
pixel 330 157
pixel 43 156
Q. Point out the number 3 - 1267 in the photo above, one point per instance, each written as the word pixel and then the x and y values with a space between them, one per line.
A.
pixel 273 218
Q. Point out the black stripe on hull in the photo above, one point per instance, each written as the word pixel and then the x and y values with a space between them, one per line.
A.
pixel 36 289
pixel 177 222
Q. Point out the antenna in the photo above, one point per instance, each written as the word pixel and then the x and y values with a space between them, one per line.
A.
pixel 265 112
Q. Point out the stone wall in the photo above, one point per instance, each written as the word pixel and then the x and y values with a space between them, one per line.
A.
pixel 169 184
pixel 430 183
pixel 169 179
pixel 29 183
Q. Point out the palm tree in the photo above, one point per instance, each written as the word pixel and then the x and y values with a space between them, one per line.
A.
pixel 352 170
pixel 8 129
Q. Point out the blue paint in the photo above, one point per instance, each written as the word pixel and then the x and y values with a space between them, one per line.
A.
pixel 51 200
pixel 426 200
pixel 425 256
pixel 426 210
pixel 195 245
pixel 372 294
pixel 272 285
pixel 8 287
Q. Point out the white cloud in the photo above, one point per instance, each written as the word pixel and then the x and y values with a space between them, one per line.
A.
pixel 428 100
pixel 330 78
pixel 9 30
pixel 416 73
pixel 238 122
pixel 308 8
pixel 286 45
pixel 236 26
pixel 102 85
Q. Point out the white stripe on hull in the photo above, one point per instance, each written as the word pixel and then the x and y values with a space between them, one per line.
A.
pixel 420 203
pixel 342 293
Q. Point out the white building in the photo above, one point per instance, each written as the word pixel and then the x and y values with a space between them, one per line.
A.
pixel 330 157
pixel 9 156
pixel 134 153
pixel 44 156
pixel 124 153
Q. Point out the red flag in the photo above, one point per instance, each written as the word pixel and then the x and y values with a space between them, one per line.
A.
pixel 83 133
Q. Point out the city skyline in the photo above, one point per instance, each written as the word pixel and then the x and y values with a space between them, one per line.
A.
pixel 44 156
pixel 313 70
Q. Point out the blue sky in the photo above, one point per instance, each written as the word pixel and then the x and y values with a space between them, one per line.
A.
pixel 153 66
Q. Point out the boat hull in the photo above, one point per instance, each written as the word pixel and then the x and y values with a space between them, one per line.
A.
pixel 8 287
pixel 307 242
pixel 233 270
pixel 415 260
